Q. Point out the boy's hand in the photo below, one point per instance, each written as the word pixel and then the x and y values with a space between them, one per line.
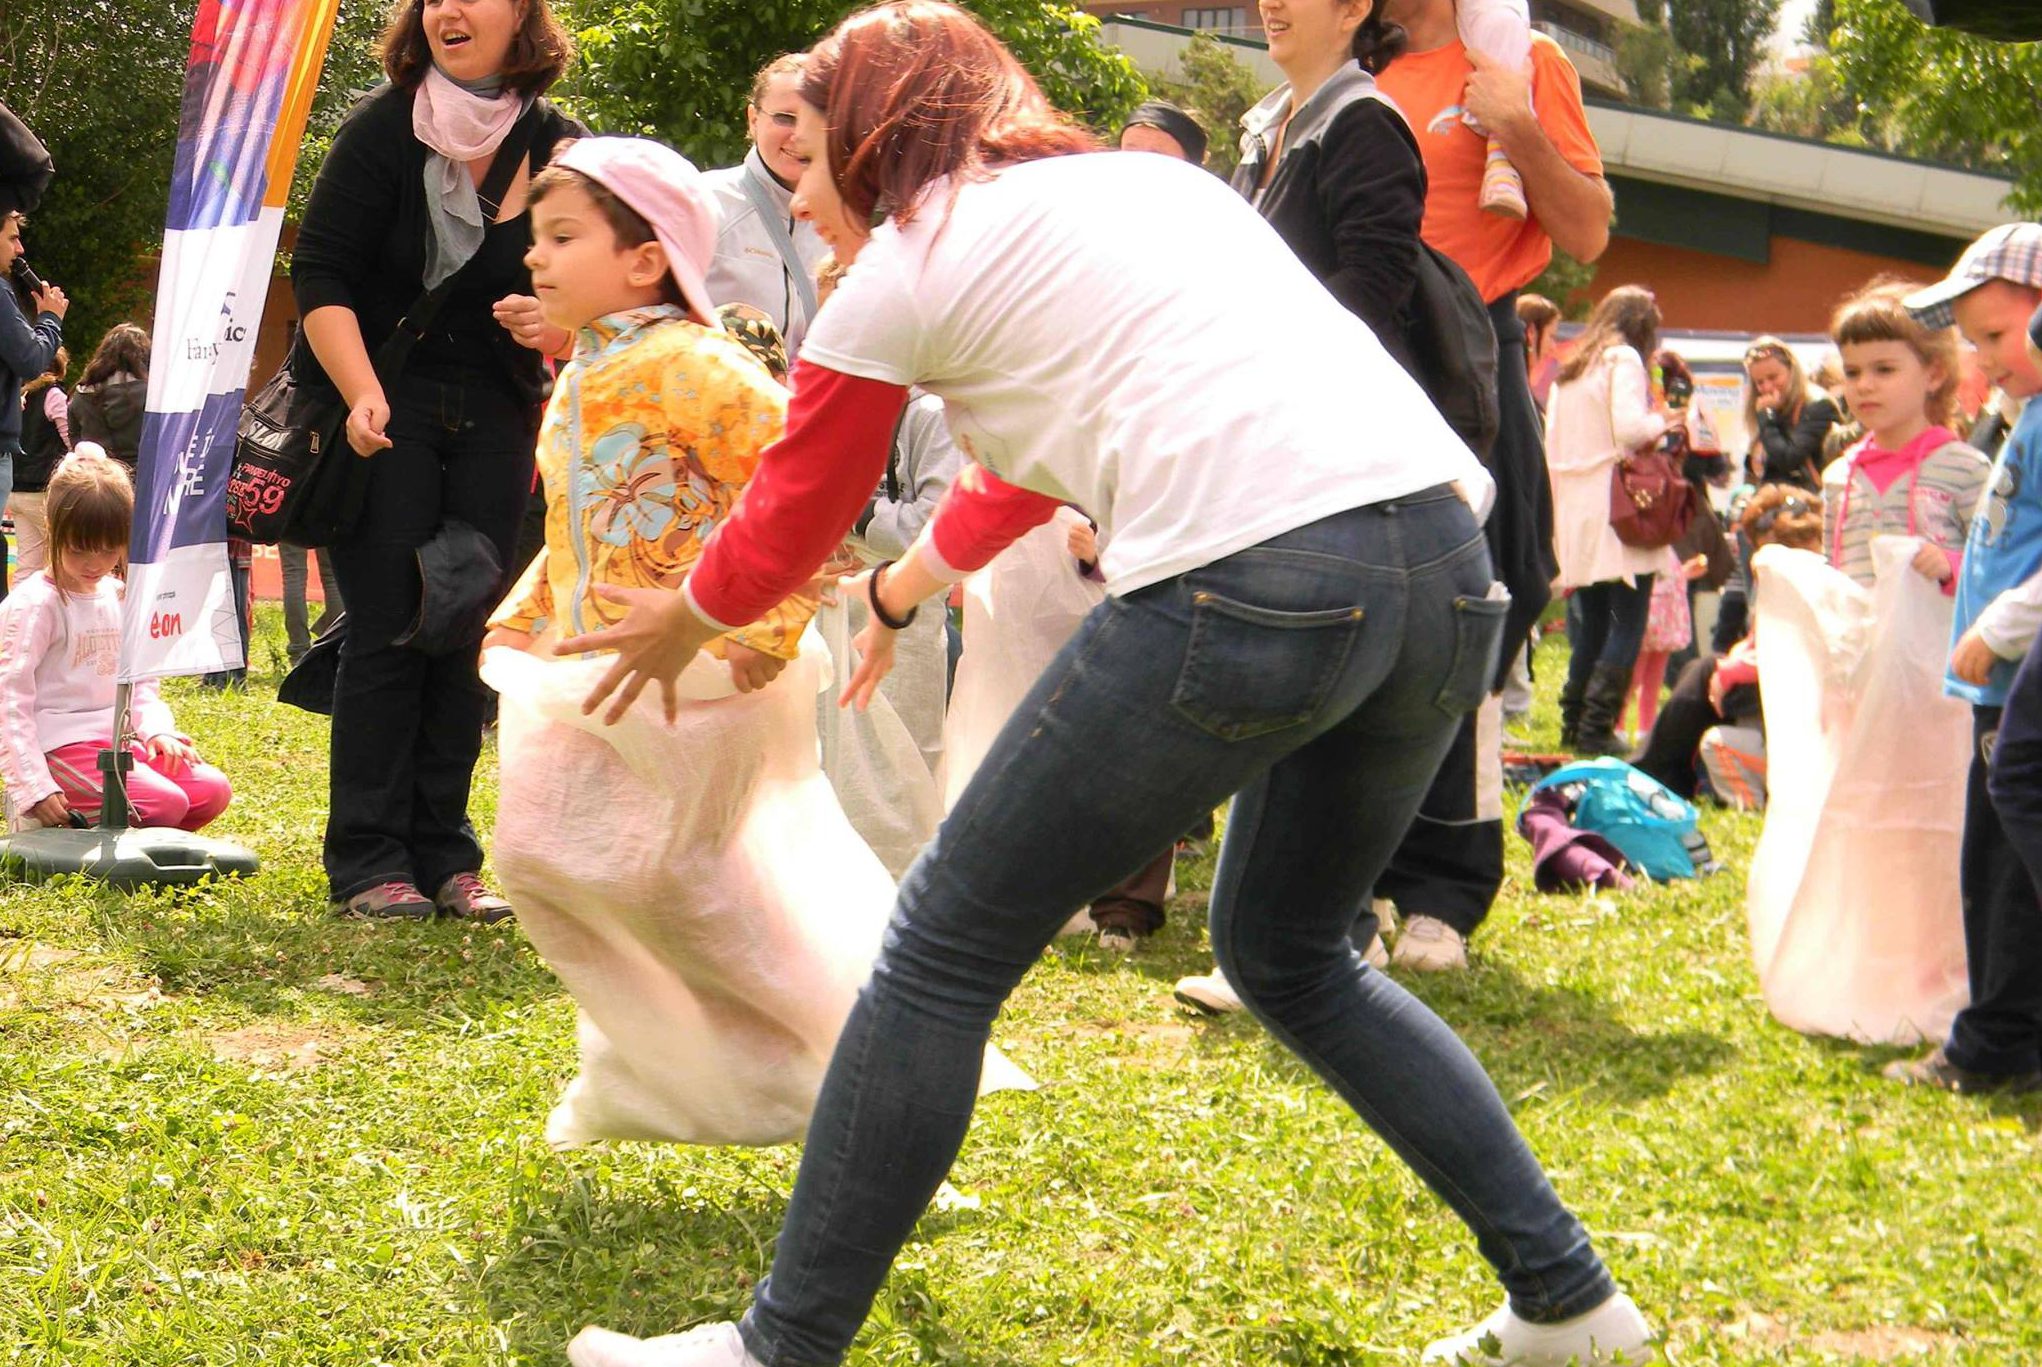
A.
pixel 175 749
pixel 1083 543
pixel 1694 567
pixel 522 317
pixel 52 811
pixel 659 635
pixel 751 670
pixel 1971 660
pixel 1932 562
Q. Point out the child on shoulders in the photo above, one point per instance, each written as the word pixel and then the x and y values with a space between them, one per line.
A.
pixel 60 633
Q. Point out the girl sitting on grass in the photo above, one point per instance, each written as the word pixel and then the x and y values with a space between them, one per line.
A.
pixel 60 636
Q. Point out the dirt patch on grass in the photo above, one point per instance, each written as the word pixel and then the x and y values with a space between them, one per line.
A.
pixel 1883 1343
pixel 278 1048
pixel 66 982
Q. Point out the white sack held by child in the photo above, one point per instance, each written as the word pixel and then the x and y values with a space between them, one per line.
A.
pixel 1856 924
pixel 1018 612
pixel 714 914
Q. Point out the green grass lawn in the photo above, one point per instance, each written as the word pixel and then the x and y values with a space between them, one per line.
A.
pixel 234 1130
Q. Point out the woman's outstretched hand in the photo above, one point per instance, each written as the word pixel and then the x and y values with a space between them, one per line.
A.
pixel 656 639
pixel 874 648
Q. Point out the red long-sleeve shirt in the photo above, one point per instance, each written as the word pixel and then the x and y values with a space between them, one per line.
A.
pixel 810 487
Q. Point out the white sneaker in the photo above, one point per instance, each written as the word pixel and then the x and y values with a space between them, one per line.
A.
pixel 1376 956
pixel 710 1345
pixel 1613 1334
pixel 1430 945
pixel 1209 992
pixel 1386 915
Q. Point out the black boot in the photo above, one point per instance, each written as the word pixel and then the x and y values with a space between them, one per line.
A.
pixel 1602 704
pixel 1570 710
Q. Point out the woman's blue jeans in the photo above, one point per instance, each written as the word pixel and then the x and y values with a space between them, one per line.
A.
pixel 1319 676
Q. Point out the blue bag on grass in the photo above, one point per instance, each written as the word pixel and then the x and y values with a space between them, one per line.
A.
pixel 1658 830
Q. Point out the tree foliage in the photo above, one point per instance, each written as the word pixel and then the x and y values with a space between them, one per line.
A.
pixel 1216 88
pixel 1937 93
pixel 100 83
pixel 681 69
pixel 1711 51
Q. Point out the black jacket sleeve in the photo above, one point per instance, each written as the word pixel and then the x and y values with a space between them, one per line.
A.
pixel 1372 192
pixel 1795 457
pixel 349 212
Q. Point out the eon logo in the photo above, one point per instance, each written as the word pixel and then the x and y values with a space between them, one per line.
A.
pixel 163 625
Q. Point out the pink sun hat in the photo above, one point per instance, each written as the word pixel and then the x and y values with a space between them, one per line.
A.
pixel 663 188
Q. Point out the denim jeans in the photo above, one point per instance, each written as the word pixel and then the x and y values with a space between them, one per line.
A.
pixel 2000 1030
pixel 407 726
pixel 1606 622
pixel 298 627
pixel 1319 676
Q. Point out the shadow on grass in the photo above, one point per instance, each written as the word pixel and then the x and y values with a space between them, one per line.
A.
pixel 1534 1038
pixel 264 954
pixel 646 1267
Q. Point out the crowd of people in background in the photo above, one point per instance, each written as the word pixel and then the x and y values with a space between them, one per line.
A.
pixel 831 383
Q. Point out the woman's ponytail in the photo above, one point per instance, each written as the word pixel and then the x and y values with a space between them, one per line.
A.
pixel 1378 42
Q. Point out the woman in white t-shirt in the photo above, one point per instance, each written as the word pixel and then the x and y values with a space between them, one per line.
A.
pixel 1300 609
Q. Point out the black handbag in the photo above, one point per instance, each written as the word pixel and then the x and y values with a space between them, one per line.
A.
pixel 296 480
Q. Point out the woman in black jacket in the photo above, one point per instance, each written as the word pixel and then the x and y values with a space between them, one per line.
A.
pixel 1335 169
pixel 112 396
pixel 397 210
pixel 1787 416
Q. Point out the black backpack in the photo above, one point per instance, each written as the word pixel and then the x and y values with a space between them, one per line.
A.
pixel 1453 349
pixel 1453 344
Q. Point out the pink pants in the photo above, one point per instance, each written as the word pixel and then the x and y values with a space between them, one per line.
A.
pixel 161 792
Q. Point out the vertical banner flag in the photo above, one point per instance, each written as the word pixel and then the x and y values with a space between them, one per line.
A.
pixel 247 93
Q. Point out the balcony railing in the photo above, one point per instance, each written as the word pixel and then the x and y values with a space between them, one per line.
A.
pixel 1579 42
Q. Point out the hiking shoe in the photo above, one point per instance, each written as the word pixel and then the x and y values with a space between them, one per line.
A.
pixel 1118 939
pixel 1937 1071
pixel 1613 1334
pixel 711 1345
pixel 465 895
pixel 396 900
pixel 1210 993
pixel 1430 945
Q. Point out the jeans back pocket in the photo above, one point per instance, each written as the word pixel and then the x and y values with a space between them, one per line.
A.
pixel 1478 648
pixel 1251 670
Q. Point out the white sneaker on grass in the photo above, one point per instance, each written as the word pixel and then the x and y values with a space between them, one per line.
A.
pixel 1377 956
pixel 1430 945
pixel 1209 992
pixel 1613 1334
pixel 710 1345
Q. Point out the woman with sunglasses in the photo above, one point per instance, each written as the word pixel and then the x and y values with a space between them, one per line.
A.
pixel 1311 648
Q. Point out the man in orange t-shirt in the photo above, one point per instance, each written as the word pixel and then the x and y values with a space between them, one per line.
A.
pixel 1447 872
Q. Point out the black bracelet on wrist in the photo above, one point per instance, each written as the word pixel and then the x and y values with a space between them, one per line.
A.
pixel 886 620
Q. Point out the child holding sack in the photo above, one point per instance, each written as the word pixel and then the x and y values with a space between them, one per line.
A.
pixel 694 883
pixel 1910 475
pixel 60 635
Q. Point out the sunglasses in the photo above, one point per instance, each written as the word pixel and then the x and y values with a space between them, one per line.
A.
pixel 1788 507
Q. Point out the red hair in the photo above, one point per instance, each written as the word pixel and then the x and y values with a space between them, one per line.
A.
pixel 917 90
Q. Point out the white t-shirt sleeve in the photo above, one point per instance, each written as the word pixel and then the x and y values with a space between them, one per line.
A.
pixel 871 326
